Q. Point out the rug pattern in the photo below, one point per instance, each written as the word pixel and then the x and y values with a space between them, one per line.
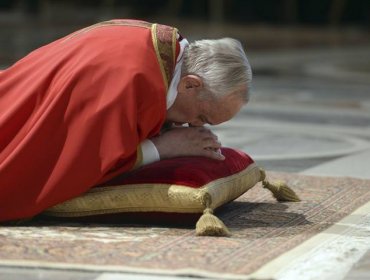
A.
pixel 262 229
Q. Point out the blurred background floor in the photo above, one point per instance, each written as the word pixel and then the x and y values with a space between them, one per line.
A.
pixel 305 110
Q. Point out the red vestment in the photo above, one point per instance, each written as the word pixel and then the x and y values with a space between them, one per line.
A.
pixel 73 112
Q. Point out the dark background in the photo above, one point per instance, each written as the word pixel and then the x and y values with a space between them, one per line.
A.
pixel 259 24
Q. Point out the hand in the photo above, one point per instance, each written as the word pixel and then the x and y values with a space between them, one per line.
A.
pixel 188 141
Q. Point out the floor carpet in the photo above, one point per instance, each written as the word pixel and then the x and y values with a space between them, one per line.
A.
pixel 262 230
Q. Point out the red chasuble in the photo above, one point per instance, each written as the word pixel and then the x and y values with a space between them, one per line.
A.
pixel 73 113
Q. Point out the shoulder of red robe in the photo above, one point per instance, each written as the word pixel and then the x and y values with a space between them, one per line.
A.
pixel 164 37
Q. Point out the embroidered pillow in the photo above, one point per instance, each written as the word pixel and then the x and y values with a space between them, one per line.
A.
pixel 187 185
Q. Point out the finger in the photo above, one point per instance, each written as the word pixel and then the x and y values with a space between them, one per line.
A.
pixel 211 143
pixel 214 150
pixel 213 154
pixel 206 132
pixel 209 132
pixel 202 129
pixel 210 136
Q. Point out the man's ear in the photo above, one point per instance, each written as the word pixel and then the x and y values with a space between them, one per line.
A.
pixel 190 84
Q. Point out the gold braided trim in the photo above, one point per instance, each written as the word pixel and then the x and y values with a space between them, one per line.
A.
pixel 164 42
pixel 155 44
pixel 133 23
pixel 158 197
pixel 174 41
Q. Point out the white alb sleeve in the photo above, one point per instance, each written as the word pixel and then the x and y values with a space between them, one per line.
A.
pixel 149 152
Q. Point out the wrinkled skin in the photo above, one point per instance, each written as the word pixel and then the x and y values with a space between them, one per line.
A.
pixel 188 141
pixel 189 108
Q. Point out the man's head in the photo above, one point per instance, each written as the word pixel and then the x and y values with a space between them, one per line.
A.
pixel 214 85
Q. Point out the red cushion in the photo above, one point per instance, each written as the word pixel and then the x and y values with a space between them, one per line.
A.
pixel 131 196
pixel 187 171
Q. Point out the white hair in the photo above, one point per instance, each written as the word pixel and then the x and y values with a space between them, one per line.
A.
pixel 221 64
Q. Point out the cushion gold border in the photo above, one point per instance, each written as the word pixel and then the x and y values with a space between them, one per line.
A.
pixel 158 197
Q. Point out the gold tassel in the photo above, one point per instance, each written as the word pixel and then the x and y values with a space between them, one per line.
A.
pixel 209 225
pixel 279 190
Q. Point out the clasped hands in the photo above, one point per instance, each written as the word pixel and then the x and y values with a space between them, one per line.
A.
pixel 188 141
